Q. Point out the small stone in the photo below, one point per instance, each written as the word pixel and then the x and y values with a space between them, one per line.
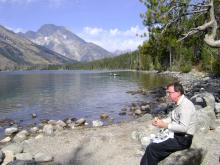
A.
pixel 61 123
pixel 34 130
pixel 122 113
pixel 34 115
pixel 138 112
pixel 48 129
pixel 97 123
pixel 134 135
pixel 104 116
pixel 11 130
pixel 53 122
pixel 80 122
pixel 145 107
pixel 124 109
pixel 39 136
pixel 72 125
pixel 5 140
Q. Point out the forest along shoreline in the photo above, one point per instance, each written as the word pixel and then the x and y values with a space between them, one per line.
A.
pixel 51 140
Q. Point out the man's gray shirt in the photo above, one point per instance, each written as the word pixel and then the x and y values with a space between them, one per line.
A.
pixel 183 117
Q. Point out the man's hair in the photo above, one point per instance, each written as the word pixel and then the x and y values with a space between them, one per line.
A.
pixel 177 87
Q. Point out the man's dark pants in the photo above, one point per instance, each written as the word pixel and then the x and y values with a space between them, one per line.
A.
pixel 156 152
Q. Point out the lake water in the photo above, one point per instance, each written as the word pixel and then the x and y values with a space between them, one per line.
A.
pixel 63 94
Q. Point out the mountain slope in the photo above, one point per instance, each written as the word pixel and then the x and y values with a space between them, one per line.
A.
pixel 16 50
pixel 63 41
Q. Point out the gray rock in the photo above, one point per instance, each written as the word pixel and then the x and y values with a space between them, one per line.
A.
pixel 61 123
pixel 185 157
pixel 205 116
pixel 39 136
pixel 23 162
pixel 2 156
pixel 24 156
pixel 34 115
pixel 52 122
pixel 5 140
pixel 97 123
pixel 80 122
pixel 21 136
pixel 11 130
pixel 217 107
pixel 41 157
pixel 48 129
pixel 205 97
pixel 138 112
pixel 145 107
pixel 122 113
pixel 68 121
pixel 58 128
pixel 34 130
pixel 104 116
pixel 14 148
pixel 9 157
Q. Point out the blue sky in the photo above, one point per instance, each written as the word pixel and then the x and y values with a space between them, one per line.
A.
pixel 112 24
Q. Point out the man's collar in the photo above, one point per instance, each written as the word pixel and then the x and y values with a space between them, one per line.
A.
pixel 180 100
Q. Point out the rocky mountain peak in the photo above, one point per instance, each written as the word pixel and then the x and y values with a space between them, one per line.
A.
pixel 16 50
pixel 63 41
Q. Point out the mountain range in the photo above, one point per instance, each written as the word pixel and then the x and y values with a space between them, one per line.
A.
pixel 63 41
pixel 16 50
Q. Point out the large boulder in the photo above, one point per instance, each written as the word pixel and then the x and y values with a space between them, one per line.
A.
pixel 190 156
pixel 205 114
pixel 21 136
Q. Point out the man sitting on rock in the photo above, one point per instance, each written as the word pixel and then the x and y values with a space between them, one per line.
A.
pixel 181 122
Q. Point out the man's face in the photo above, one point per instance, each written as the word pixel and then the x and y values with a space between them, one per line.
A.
pixel 172 95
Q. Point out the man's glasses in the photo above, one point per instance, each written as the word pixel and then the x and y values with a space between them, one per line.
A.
pixel 168 92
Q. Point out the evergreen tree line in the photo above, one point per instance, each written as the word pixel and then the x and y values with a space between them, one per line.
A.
pixel 125 61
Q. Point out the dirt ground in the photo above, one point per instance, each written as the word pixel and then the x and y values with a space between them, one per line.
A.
pixel 108 145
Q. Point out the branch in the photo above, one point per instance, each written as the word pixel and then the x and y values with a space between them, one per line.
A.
pixel 209 38
pixel 183 14
pixel 191 32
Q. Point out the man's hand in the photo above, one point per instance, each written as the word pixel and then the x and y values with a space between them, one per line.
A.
pixel 159 123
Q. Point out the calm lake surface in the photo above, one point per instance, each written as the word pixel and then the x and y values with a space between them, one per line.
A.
pixel 63 94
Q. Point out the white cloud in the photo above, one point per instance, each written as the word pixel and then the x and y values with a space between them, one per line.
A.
pixel 114 39
pixel 92 31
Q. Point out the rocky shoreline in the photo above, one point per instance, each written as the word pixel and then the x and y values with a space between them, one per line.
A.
pixel 41 144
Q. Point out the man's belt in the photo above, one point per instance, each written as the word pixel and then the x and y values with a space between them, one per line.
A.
pixel 183 134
